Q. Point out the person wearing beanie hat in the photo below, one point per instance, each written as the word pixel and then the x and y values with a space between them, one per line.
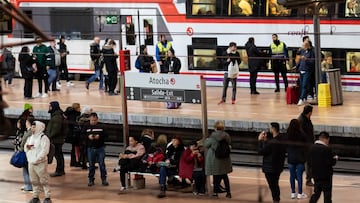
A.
pixel 55 131
pixel 28 107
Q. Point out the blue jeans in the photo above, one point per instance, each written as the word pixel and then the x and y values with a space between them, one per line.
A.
pixel 305 84
pixel 27 181
pixel 98 73
pixel 296 172
pixel 97 154
pixel 164 171
pixel 52 76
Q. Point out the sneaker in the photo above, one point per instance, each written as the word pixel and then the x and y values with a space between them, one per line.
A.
pixel 301 102
pixel 228 195
pixel 302 196
pixel 293 195
pixel 122 188
pixel 35 200
pixel 44 95
pixel 87 85
pixel 38 95
pixel 69 84
pixel 277 90
pixel 58 85
pixel 221 101
pixel 91 183
pixel 105 183
pixel 309 97
pixel 22 187
pixel 162 194
pixel 47 200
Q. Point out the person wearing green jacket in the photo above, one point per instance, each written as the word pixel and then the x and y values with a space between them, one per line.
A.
pixel 39 52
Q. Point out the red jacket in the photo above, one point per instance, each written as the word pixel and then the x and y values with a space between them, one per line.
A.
pixel 187 163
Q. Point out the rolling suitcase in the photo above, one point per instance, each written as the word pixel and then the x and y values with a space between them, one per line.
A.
pixel 293 91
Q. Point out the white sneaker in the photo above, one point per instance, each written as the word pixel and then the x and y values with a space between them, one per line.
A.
pixel 122 188
pixel 293 195
pixel 302 196
pixel 301 102
pixel 58 85
pixel 38 95
pixel 70 84
pixel 309 97
pixel 44 95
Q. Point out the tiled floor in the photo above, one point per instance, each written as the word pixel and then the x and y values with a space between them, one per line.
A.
pixel 246 183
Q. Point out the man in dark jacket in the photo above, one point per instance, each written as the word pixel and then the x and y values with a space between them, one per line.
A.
pixel 308 129
pixel 111 65
pixel 56 135
pixel 273 151
pixel 254 62
pixel 322 160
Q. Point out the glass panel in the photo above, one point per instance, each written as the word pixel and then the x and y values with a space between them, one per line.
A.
pixel 244 59
pixel 205 58
pixel 274 9
pixel 242 7
pixel 352 8
pixel 149 32
pixel 130 31
pixel 353 62
pixel 203 7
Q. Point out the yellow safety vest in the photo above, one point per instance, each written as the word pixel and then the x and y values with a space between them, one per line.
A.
pixel 277 50
pixel 164 50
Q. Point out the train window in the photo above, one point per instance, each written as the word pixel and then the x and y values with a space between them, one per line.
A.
pixel 241 7
pixel 203 7
pixel 244 65
pixel 274 9
pixel 353 62
pixel 130 31
pixel 149 32
pixel 202 59
pixel 352 8
pixel 27 32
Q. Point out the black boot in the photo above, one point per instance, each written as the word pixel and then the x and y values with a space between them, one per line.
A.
pixel 162 193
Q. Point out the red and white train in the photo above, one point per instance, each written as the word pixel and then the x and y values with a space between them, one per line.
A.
pixel 199 30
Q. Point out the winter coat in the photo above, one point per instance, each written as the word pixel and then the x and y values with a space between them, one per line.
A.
pixel 54 127
pixel 296 149
pixel 110 59
pixel 176 65
pixel 145 63
pixel 187 163
pixel 321 160
pixel 273 152
pixel 213 165
pixel 174 154
pixel 8 60
pixel 253 53
pixel 307 127
pixel 26 62
pixel 234 56
pixel 40 53
pixel 41 145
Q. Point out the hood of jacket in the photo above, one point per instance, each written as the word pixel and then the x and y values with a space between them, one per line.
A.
pixel 39 128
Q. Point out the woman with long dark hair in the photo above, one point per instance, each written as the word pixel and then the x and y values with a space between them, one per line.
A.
pixel 296 157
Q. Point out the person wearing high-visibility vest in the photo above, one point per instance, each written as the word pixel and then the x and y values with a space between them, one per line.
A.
pixel 279 58
pixel 162 48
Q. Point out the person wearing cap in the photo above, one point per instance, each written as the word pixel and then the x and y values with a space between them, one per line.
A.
pixel 322 159
pixel 54 131
pixel 273 149
pixel 111 66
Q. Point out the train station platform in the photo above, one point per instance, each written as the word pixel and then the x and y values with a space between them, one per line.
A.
pixel 247 185
pixel 250 113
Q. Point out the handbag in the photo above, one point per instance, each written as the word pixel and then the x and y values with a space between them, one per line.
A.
pixel 233 69
pixel 18 159
pixel 153 68
pixel 91 65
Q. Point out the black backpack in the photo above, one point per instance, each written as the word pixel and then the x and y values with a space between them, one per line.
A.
pixel 223 149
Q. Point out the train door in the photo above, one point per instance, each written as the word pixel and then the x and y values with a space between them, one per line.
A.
pixel 139 28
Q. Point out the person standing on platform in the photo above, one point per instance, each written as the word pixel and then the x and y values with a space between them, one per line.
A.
pixel 145 60
pixel 53 61
pixel 254 55
pixel 96 136
pixel 306 67
pixel 231 61
pixel 95 55
pixel 162 48
pixel 322 159
pixel 27 68
pixel 36 148
pixel 296 151
pixel 273 149
pixel 308 128
pixel 56 135
pixel 111 65
pixel 73 137
pixel 39 52
pixel 83 121
pixel 219 168
pixel 279 59
pixel 63 66
pixel 8 65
